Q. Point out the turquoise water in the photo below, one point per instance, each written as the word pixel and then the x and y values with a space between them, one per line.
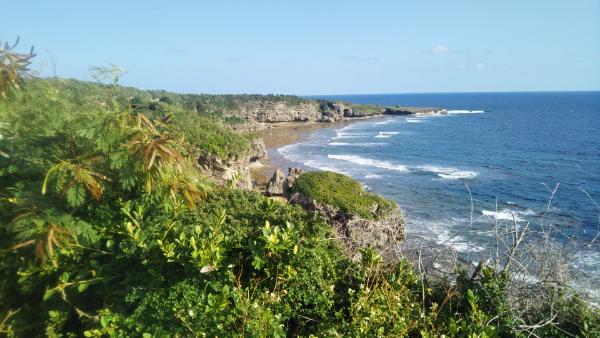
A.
pixel 505 152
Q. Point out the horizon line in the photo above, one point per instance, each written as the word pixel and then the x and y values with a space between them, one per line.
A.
pixel 460 92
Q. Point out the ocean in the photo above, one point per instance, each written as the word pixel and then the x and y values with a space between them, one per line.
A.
pixel 530 159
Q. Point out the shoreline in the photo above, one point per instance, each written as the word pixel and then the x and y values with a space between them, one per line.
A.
pixel 280 134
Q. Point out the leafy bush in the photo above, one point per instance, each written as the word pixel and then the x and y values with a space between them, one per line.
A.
pixel 343 192
pixel 209 135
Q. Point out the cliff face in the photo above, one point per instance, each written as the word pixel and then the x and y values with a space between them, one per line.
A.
pixel 234 169
pixel 315 111
pixel 264 111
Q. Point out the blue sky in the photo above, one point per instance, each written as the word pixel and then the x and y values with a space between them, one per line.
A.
pixel 318 47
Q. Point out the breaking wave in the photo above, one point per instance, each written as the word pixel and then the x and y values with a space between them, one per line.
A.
pixel 508 214
pixel 448 173
pixel 383 122
pixel 369 162
pixel 386 134
pixel 367 144
pixel 465 111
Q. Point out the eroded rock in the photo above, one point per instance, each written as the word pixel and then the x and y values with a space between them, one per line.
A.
pixel 354 232
pixel 236 169
pixel 277 184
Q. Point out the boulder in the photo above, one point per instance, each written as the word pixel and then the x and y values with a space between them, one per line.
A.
pixel 293 174
pixel 258 150
pixel 277 184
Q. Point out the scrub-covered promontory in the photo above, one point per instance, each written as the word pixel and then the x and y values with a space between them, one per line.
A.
pixel 360 218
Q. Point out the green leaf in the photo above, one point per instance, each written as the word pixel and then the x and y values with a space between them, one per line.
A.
pixel 82 286
pixel 49 293
pixel 86 235
pixel 75 195
pixel 45 184
pixel 103 321
pixel 64 277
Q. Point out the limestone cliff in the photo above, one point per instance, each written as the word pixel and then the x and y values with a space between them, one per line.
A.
pixel 257 112
pixel 236 170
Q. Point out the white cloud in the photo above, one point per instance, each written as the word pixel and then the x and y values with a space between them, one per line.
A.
pixel 480 65
pixel 439 49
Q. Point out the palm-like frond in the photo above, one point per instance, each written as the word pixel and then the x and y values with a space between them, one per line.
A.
pixel 77 173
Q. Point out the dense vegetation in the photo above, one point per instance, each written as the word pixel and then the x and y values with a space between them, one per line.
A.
pixel 343 192
pixel 108 229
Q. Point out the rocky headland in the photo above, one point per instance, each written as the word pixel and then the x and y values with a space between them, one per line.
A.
pixel 265 114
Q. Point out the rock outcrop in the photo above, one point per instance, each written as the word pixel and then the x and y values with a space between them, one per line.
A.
pixel 353 232
pixel 233 169
pixel 280 185
pixel 293 174
pixel 277 184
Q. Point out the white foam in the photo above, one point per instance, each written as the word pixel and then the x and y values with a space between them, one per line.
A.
pixel 372 176
pixel 386 134
pixel 323 166
pixel 341 134
pixel 527 212
pixel 369 162
pixel 505 214
pixel 383 122
pixel 459 175
pixel 288 150
pixel 366 144
pixel 415 120
pixel 448 173
pixel 465 111
pixel 349 127
pixel 458 243
pixel 508 214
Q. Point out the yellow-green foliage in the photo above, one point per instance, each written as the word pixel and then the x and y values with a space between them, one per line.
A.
pixel 343 192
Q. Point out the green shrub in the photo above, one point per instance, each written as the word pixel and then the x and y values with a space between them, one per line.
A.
pixel 343 192
pixel 209 135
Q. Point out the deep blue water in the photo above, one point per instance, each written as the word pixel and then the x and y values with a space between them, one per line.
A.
pixel 511 149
